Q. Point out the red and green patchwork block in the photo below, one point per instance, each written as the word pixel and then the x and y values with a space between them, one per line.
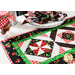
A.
pixel 40 48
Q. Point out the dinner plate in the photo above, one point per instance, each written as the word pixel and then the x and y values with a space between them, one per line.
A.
pixel 47 25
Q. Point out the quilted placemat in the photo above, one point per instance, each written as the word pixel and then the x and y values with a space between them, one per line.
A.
pixel 42 46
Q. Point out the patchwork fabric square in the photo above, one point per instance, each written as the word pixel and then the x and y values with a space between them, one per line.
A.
pixel 68 36
pixel 42 46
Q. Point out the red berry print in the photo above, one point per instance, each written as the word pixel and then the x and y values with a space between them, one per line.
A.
pixel 41 22
pixel 13 54
pixel 58 59
pixel 5 45
pixel 55 62
pixel 16 62
pixel 46 20
pixel 42 55
pixel 6 39
pixel 38 32
pixel 63 59
pixel 51 49
pixel 13 48
pixel 8 46
pixel 27 53
pixel 29 34
pixel 13 37
pixel 24 36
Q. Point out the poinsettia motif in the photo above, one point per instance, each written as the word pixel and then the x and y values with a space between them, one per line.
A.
pixel 41 48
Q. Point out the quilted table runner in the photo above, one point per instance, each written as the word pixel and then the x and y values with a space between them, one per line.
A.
pixel 42 46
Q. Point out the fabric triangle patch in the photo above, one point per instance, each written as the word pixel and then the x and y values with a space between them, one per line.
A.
pixel 43 43
pixel 29 51
pixel 40 51
pixel 61 50
pixel 39 43
pixel 20 44
pixel 59 35
pixel 33 48
pixel 34 44
pixel 44 35
pixel 36 51
pixel 73 24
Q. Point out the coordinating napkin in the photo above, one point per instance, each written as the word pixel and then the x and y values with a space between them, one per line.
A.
pixel 43 17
